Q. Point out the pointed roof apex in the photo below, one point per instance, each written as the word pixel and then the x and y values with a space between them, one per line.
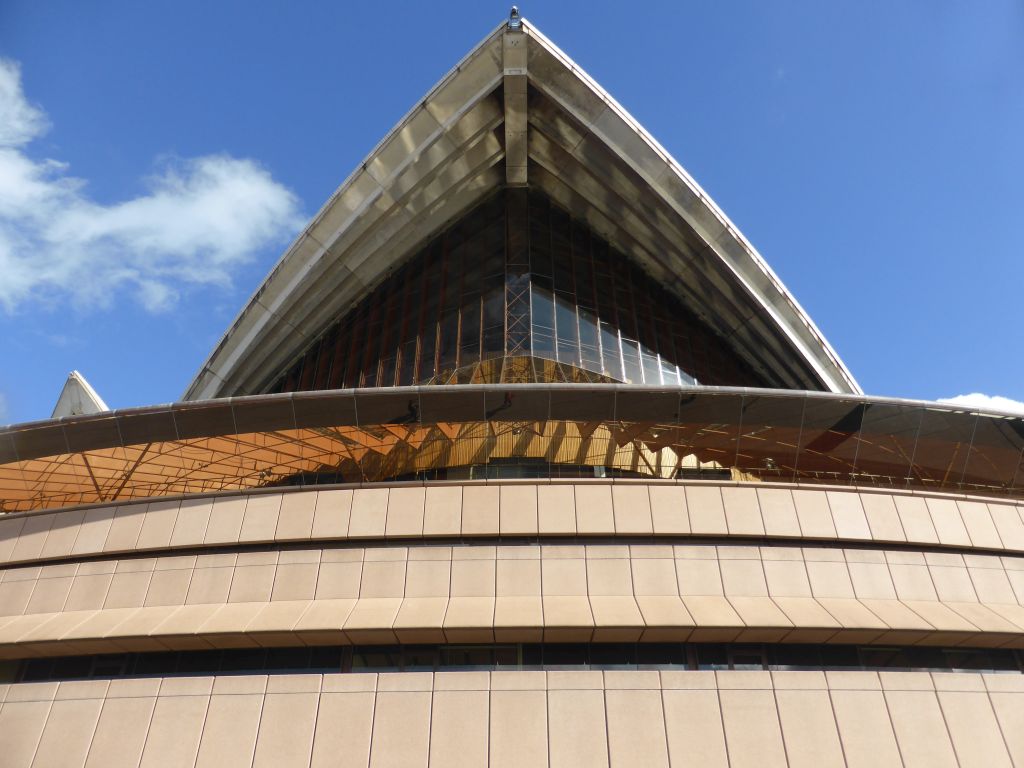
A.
pixel 77 398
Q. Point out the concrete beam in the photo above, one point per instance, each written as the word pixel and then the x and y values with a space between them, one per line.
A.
pixel 513 51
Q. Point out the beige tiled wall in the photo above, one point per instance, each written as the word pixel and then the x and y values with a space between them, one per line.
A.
pixel 85 594
pixel 612 592
pixel 517 509
pixel 521 719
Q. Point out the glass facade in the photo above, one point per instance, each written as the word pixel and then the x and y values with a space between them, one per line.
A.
pixel 497 431
pixel 517 291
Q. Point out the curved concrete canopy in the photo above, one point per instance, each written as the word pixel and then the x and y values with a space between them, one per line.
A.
pixel 516 111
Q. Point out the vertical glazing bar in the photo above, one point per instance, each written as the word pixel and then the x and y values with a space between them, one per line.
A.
pixel 967 455
pixel 595 319
pixel 913 453
pixel 323 366
pixel 566 330
pixel 629 333
pixel 420 315
pixel 542 329
pixel 739 430
pixel 611 354
pixel 589 355
pixel 858 437
pixel 799 442
pixel 388 329
pixel 472 276
pixel 355 346
pixel 309 361
pixel 403 366
pixel 340 351
pixel 431 304
pixel 371 342
pixel 460 304
pixel 448 325
pixel 1017 481
pixel 648 359
pixel 517 272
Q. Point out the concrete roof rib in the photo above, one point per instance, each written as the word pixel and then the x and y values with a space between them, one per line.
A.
pixel 586 153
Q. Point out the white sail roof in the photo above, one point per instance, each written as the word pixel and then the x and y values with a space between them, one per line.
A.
pixel 77 398
pixel 517 111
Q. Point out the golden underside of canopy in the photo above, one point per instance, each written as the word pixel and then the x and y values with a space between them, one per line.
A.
pixel 359 454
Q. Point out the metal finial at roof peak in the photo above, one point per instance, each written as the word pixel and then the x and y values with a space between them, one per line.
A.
pixel 515 21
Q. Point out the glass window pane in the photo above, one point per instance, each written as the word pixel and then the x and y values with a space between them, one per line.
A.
pixel 828 440
pixel 886 444
pixel 996 450
pixel 769 436
pixel 943 442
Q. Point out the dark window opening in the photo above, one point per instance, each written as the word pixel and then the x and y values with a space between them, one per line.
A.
pixel 511 656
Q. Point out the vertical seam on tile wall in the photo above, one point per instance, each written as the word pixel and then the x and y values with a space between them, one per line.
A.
pixel 945 722
pixel 935 527
pixel 259 721
pixel 999 725
pixel 995 718
pixel 448 597
pixel 149 724
pixel 42 730
pixel 149 584
pixel 721 718
pixel 384 532
pixel 796 515
pixel 840 627
pixel 316 718
pixel 316 579
pixel 543 624
pixel 401 602
pixel 604 704
pixel 170 534
pixel 760 513
pixel 373 718
pixel 487 729
pixel 835 718
pixel 593 621
pixel 547 714
pixel 206 715
pixel 892 722
pixel 188 587
pixel 273 581
pixel 96 725
pixel 494 639
pixel 778 719
pixel 430 717
pixel 664 721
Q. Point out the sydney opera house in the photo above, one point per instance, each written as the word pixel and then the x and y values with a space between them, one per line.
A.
pixel 521 455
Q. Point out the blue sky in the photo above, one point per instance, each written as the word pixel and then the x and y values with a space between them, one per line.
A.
pixel 156 159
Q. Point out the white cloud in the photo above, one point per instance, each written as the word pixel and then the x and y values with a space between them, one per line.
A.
pixel 20 121
pixel 200 219
pixel 3 408
pixel 986 402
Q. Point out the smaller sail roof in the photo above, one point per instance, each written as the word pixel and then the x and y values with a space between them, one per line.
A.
pixel 77 398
